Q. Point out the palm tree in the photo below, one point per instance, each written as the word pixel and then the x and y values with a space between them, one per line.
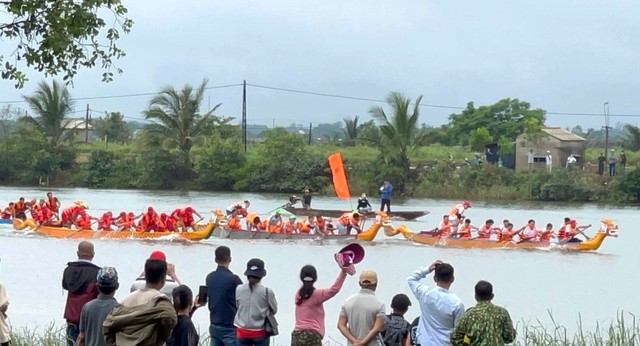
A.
pixel 351 130
pixel 52 104
pixel 632 141
pixel 177 118
pixel 400 131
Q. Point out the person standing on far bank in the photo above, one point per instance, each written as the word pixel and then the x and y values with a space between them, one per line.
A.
pixel 385 195
pixel 549 161
pixel 79 279
pixel 221 291
pixel 485 323
pixel 612 163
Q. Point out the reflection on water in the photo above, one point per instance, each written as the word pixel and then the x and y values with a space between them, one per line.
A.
pixel 527 282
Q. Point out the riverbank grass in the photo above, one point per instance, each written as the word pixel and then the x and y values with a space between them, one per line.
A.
pixel 623 331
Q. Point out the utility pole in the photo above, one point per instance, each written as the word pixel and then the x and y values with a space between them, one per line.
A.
pixel 244 114
pixel 310 133
pixel 86 126
pixel 606 130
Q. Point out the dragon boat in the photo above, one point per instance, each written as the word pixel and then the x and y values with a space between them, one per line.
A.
pixel 222 231
pixel 398 215
pixel 201 232
pixel 607 229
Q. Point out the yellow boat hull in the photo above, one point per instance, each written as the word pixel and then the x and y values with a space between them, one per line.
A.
pixel 591 244
pixel 203 232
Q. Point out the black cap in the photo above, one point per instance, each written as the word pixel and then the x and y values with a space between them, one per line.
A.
pixel 255 267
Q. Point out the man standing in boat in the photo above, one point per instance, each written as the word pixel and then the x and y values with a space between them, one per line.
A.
pixel 306 199
pixel 385 195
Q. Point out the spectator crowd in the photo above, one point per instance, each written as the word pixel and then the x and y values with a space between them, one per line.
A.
pixel 159 308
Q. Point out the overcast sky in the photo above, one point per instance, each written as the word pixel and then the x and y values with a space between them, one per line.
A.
pixel 562 56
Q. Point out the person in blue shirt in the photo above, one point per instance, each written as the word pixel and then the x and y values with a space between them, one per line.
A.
pixel 385 195
pixel 221 291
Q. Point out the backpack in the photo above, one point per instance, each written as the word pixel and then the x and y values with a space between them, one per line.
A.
pixel 394 330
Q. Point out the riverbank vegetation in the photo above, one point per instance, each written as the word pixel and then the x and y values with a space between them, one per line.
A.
pixel 184 146
pixel 624 330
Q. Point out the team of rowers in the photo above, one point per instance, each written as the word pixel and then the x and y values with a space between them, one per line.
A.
pixel 455 225
pixel 46 212
pixel 276 223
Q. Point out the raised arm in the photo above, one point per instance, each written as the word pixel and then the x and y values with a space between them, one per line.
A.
pixel 328 293
pixel 413 280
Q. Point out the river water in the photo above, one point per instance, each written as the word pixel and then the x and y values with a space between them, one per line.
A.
pixel 529 283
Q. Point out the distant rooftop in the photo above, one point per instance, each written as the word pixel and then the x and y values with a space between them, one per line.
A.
pixel 76 124
pixel 562 134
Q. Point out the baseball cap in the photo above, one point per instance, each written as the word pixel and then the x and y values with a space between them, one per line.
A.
pixel 368 277
pixel 107 277
pixel 158 255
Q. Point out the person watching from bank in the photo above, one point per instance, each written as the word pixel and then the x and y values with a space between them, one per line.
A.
pixel 362 315
pixel 79 280
pixel 440 309
pixel 309 311
pixel 221 293
pixel 485 323
pixel 95 312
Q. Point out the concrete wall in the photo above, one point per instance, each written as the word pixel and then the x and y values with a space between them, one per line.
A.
pixel 560 151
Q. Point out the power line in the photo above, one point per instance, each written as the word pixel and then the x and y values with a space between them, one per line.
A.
pixel 313 93
pixel 342 96
pixel 127 95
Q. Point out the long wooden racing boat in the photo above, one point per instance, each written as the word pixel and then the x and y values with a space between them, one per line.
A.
pixel 399 215
pixel 591 244
pixel 223 232
pixel 203 232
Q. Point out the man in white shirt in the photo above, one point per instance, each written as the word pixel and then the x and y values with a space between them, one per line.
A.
pixel 549 161
pixel 530 160
pixel 439 308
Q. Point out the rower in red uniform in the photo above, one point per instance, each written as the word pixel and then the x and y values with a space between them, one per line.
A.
pixel 349 221
pixel 70 214
pixel 547 234
pixel 167 223
pixel 149 221
pixel 562 232
pixel 105 221
pixel 506 232
pixel 484 233
pixel 53 203
pixel 83 221
pixel 41 213
pixel 7 213
pixel 464 231
pixel 20 209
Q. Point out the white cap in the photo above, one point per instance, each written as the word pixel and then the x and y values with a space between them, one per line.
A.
pixel 548 152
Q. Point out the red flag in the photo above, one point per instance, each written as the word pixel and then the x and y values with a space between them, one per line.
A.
pixel 339 177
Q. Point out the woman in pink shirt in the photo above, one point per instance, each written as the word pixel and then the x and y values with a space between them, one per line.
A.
pixel 309 328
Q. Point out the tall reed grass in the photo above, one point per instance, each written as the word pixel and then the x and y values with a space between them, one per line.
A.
pixel 624 330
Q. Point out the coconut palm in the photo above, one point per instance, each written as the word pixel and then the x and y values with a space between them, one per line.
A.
pixel 177 118
pixel 351 130
pixel 399 131
pixel 52 104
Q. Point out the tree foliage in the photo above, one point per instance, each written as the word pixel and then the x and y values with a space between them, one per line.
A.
pixel 112 127
pixel 399 131
pixel 632 141
pixel 507 117
pixel 177 118
pixel 220 164
pixel 61 37
pixel 351 131
pixel 478 138
pixel 284 165
pixel 52 105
